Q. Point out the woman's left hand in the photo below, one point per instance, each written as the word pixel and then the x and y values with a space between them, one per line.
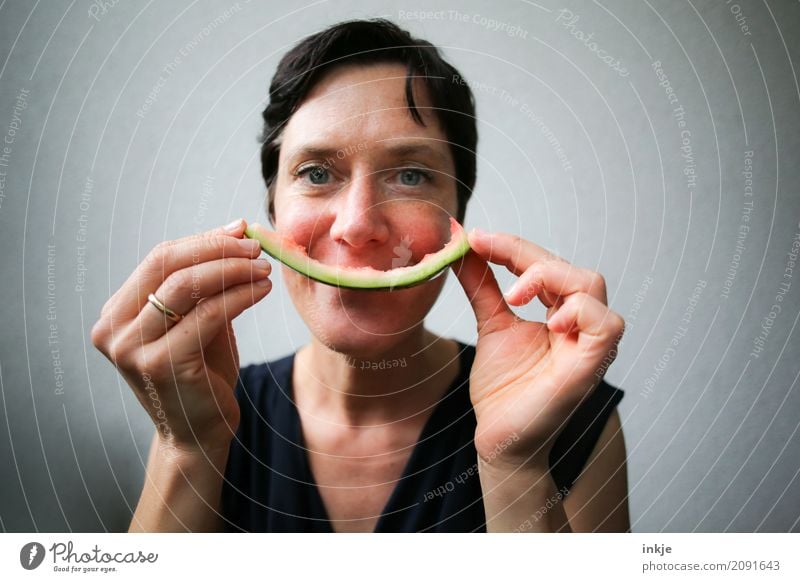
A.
pixel 528 377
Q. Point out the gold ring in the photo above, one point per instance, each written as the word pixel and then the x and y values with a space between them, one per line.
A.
pixel 171 315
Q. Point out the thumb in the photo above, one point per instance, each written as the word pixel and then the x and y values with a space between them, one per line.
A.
pixel 483 292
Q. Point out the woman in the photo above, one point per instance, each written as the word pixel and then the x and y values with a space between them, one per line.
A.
pixel 377 424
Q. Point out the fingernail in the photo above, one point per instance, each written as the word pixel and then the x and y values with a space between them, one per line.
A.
pixel 249 244
pixel 511 291
pixel 479 232
pixel 233 225
pixel 261 264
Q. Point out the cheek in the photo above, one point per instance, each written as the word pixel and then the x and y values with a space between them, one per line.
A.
pixel 422 234
pixel 303 222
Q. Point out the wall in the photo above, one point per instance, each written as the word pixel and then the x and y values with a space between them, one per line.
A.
pixel 656 143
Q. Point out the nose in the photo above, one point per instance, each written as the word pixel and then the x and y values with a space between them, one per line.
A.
pixel 360 213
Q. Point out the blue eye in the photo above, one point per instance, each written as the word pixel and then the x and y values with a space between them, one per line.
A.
pixel 412 176
pixel 317 175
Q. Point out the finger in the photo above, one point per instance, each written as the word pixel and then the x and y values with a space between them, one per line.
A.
pixel 583 314
pixel 222 354
pixel 513 252
pixel 211 317
pixel 171 256
pixel 476 277
pixel 234 229
pixel 551 279
pixel 183 289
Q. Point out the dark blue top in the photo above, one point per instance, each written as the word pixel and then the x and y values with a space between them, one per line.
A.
pixel 269 486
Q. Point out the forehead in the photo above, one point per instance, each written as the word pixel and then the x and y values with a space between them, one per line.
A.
pixel 362 104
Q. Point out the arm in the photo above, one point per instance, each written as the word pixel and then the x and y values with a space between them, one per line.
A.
pixel 181 490
pixel 522 500
pixel 529 376
pixel 598 501
pixel 183 370
pixel 527 500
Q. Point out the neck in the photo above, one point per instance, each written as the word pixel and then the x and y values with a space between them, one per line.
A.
pixel 401 382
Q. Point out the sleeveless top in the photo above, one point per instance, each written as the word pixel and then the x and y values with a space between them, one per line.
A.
pixel 269 486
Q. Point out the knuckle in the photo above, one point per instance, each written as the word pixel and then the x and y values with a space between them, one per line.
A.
pixel 535 271
pixel 547 267
pixel 159 364
pixel 577 301
pixel 517 243
pixel 99 333
pixel 615 325
pixel 597 281
pixel 207 311
pixel 211 247
pixel 158 255
pixel 179 283
pixel 120 354
pixel 550 257
pixel 232 265
pixel 597 284
pixel 241 270
pixel 218 244
pixel 163 245
pixel 618 323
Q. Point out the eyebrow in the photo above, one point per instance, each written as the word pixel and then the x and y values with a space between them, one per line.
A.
pixel 310 150
pixel 399 149
pixel 410 148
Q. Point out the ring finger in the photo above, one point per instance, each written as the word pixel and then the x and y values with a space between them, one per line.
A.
pixel 183 289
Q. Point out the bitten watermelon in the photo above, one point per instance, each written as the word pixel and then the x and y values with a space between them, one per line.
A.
pixel 295 256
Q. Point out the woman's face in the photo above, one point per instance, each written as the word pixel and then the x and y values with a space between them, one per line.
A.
pixel 360 183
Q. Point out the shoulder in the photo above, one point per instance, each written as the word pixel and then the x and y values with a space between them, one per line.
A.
pixel 598 499
pixel 582 432
pixel 603 397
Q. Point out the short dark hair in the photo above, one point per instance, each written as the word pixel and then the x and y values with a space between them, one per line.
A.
pixel 371 42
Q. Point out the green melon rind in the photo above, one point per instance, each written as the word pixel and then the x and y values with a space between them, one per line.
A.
pixel 366 277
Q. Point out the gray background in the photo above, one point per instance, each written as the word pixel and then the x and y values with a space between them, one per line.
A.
pixel 573 155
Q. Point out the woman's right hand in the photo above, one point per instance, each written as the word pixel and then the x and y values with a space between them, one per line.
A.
pixel 184 373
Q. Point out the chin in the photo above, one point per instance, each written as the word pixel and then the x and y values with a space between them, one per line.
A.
pixel 363 323
pixel 359 345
